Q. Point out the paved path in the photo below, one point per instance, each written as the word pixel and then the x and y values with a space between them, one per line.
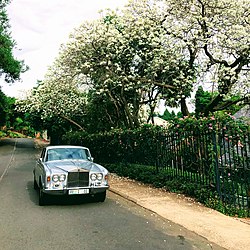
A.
pixel 228 232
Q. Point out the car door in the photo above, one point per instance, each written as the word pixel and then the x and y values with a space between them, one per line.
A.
pixel 39 167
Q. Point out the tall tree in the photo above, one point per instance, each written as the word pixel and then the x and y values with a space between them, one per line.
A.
pixel 216 34
pixel 7 110
pixel 122 57
pixel 10 67
pixel 202 99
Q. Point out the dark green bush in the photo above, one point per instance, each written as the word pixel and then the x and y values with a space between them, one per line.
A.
pixel 130 146
pixel 148 175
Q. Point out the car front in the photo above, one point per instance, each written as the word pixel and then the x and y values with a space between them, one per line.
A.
pixel 75 177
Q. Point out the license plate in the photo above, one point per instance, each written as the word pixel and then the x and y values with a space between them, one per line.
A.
pixel 79 191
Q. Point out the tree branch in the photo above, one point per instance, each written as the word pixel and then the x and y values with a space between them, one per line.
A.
pixel 73 122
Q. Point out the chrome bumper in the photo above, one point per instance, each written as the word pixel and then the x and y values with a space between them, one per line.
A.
pixel 65 191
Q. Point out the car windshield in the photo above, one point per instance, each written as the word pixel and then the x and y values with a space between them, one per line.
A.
pixel 67 154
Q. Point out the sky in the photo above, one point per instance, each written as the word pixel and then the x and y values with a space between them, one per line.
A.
pixel 39 27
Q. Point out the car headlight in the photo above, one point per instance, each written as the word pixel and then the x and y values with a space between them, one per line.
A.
pixel 55 178
pixel 99 176
pixel 62 177
pixel 96 176
pixel 93 177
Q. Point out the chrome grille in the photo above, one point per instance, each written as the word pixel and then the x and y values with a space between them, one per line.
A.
pixel 78 179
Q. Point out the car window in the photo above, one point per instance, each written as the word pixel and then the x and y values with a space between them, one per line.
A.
pixel 67 153
pixel 79 154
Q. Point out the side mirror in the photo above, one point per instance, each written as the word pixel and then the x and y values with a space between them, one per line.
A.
pixel 38 161
pixel 90 158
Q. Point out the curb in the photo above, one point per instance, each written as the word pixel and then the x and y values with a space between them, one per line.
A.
pixel 124 196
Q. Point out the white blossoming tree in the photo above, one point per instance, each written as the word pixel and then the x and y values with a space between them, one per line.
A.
pixel 123 57
pixel 216 34
pixel 153 49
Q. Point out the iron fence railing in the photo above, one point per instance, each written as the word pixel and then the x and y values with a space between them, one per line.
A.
pixel 216 157
pixel 219 159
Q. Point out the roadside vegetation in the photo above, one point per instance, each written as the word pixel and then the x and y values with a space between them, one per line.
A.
pixel 111 76
pixel 12 124
pixel 205 158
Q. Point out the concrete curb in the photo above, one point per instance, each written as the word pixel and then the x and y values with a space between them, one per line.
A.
pixel 124 196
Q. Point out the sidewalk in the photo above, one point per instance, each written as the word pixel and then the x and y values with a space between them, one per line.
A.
pixel 228 232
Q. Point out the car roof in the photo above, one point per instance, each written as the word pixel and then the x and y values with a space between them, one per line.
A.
pixel 65 146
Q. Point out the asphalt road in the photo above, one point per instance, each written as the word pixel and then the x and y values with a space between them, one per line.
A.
pixel 76 223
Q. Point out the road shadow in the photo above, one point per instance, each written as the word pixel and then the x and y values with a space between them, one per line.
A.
pixel 18 142
pixel 62 200
pixel 7 142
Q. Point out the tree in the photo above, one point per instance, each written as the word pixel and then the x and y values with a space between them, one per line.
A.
pixel 64 103
pixel 217 41
pixel 101 114
pixel 9 66
pixel 151 50
pixel 123 58
pixel 204 98
pixel 7 110
pixel 3 108
pixel 168 116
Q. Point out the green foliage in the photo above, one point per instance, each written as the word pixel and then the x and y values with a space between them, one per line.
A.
pixel 6 109
pixel 2 134
pixel 11 134
pixel 101 114
pixel 210 123
pixel 134 171
pixel 10 118
pixel 117 145
pixel 9 66
pixel 204 98
pixel 14 134
pixel 167 115
pixel 3 108
pixel 142 145
pixel 147 174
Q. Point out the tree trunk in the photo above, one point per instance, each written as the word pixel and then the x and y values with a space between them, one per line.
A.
pixel 184 108
pixel 211 106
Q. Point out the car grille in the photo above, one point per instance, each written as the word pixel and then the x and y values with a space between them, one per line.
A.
pixel 78 179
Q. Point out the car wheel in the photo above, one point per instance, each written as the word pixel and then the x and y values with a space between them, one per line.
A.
pixel 42 198
pixel 35 184
pixel 100 197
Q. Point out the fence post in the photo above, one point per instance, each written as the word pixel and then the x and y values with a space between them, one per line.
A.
pixel 216 164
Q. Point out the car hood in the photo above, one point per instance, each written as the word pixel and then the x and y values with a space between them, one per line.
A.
pixel 73 165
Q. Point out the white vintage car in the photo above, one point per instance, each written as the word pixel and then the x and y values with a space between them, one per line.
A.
pixel 69 170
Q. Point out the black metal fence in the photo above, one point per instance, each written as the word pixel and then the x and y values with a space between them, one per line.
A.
pixel 214 156
pixel 219 158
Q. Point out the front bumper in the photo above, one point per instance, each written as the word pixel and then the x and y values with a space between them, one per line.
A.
pixel 81 190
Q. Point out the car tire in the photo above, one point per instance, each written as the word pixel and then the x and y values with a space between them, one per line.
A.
pixel 100 197
pixel 35 184
pixel 42 198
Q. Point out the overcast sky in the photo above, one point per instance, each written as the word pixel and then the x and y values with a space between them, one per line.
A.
pixel 39 27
